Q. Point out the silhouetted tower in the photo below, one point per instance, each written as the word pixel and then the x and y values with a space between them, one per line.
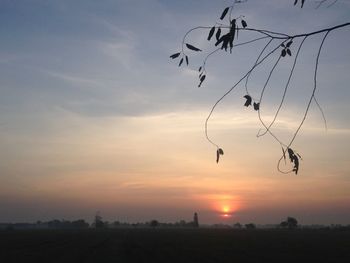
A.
pixel 195 220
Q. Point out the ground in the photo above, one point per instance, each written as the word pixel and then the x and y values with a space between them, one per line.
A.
pixel 175 245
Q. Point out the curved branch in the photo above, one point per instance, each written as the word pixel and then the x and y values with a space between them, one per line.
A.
pixel 285 90
pixel 230 90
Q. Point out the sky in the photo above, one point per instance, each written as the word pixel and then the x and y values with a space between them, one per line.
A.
pixel 95 116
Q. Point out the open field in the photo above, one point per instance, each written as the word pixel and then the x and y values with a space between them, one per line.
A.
pixel 175 245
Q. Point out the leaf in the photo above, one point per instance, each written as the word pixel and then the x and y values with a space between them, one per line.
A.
pixel 249 100
pixel 244 23
pixel 211 33
pixel 224 13
pixel 296 164
pixel 291 154
pixel 201 81
pixel 295 2
pixel 175 55
pixel 289 52
pixel 283 53
pixel 256 106
pixel 200 75
pixel 226 39
pixel 289 43
pixel 200 69
pixel 221 39
pixel 218 33
pixel 187 60
pixel 302 3
pixel 218 153
pixel 182 60
pixel 282 45
pixel 192 47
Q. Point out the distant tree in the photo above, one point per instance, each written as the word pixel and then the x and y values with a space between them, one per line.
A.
pixel 290 223
pixel 154 223
pixel 98 221
pixel 195 220
pixel 237 225
pixel 250 226
pixel 277 48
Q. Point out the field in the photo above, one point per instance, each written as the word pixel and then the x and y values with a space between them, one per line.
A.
pixel 175 245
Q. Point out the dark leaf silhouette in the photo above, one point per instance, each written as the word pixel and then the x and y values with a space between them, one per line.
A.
pixel 200 75
pixel 218 153
pixel 221 39
pixel 231 35
pixel 225 40
pixel 181 61
pixel 218 34
pixel 296 164
pixel 187 60
pixel 289 43
pixel 244 23
pixel 289 52
pixel 192 47
pixel 295 2
pixel 201 81
pixel 200 69
pixel 175 55
pixel 211 33
pixel 294 159
pixel 256 106
pixel 224 13
pixel 282 45
pixel 283 53
pixel 249 100
pixel 291 154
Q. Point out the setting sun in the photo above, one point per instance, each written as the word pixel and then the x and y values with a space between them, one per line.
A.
pixel 226 209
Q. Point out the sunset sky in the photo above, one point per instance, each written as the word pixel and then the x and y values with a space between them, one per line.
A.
pixel 95 116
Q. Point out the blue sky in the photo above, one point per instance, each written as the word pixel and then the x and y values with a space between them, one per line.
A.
pixel 95 116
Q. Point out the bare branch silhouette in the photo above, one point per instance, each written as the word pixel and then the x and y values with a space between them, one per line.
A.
pixel 226 36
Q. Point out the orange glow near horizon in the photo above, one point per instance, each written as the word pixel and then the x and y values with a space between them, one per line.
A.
pixel 225 205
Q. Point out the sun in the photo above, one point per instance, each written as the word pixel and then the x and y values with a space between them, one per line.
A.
pixel 226 209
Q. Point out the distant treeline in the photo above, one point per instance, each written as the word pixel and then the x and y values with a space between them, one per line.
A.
pixel 290 223
pixel 82 224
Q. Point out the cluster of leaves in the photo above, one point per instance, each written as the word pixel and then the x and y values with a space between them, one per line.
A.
pixel 184 57
pixel 202 76
pixel 293 157
pixel 227 39
pixel 249 102
pixel 286 49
